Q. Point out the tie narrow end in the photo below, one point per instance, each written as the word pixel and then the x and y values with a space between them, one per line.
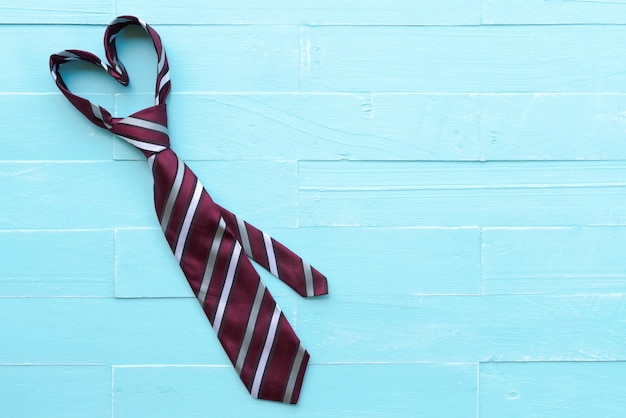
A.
pixel 320 287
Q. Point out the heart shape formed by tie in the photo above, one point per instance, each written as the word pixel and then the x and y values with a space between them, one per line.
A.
pixel 213 247
pixel 95 113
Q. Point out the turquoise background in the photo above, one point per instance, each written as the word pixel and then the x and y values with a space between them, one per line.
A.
pixel 457 168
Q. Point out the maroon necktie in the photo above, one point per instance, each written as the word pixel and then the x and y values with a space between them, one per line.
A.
pixel 211 244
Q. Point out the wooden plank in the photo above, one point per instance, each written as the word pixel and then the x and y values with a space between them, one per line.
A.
pixel 119 193
pixel 56 391
pixel 466 59
pixel 264 193
pixel 417 261
pixel 410 261
pixel 558 389
pixel 335 126
pixel 553 12
pixel 335 329
pixel 570 260
pixel 427 126
pixel 354 390
pixel 344 12
pixel 296 126
pixel 232 58
pixel 60 132
pixel 56 263
pixel 553 126
pixel 146 267
pixel 432 193
pixel 75 195
pixel 462 328
pixel 105 331
pixel 25 74
pixel 59 12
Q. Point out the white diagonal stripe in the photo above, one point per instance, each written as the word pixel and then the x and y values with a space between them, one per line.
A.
pixel 173 195
pixel 293 375
pixel 151 160
pixel 184 230
pixel 271 258
pixel 210 265
pixel 146 146
pixel 267 348
pixel 165 79
pixel 228 284
pixel 308 278
pixel 245 240
pixel 254 314
pixel 146 124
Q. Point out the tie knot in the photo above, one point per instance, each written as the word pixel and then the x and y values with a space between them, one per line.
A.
pixel 146 129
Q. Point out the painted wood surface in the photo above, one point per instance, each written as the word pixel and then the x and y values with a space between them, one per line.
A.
pixel 456 168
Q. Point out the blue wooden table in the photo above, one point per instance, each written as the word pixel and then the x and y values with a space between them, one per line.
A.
pixel 456 168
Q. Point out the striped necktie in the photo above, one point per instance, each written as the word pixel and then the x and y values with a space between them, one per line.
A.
pixel 211 244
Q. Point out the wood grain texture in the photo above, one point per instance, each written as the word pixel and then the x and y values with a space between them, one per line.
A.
pixel 296 126
pixel 258 58
pixel 56 263
pixel 281 12
pixel 106 331
pixel 331 391
pixel 56 391
pixel 453 329
pixel 553 12
pixel 552 389
pixel 397 194
pixel 62 12
pixel 557 126
pixel 552 260
pixel 119 194
pixel 50 138
pixel 466 59
pixel 431 261
pixel 456 168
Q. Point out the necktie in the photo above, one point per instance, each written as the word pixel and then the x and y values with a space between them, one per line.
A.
pixel 211 244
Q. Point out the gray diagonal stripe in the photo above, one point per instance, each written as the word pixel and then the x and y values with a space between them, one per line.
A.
pixel 171 198
pixel 191 211
pixel 254 314
pixel 271 258
pixel 245 240
pixel 95 109
pixel 210 265
pixel 146 124
pixel 293 375
pixel 228 284
pixel 308 278
pixel 267 348
pixel 146 146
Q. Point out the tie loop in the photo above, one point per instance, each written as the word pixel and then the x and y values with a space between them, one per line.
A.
pixel 146 129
